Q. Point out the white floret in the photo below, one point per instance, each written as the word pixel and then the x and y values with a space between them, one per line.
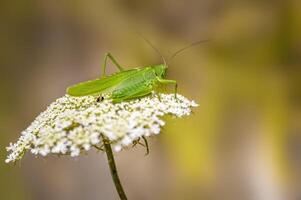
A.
pixel 71 125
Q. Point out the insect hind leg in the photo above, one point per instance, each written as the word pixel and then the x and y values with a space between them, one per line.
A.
pixel 99 98
pixel 126 98
pixel 140 92
pixel 146 145
pixel 104 66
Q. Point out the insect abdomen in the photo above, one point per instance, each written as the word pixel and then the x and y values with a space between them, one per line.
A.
pixel 143 83
pixel 131 90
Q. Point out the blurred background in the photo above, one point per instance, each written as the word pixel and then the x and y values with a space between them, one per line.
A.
pixel 243 141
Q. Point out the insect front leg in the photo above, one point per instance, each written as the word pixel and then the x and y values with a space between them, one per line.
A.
pixel 104 66
pixel 165 81
pixel 159 96
pixel 140 92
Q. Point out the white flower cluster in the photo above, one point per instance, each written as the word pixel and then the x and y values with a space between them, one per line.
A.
pixel 71 125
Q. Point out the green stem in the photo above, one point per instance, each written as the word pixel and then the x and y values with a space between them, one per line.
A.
pixel 113 169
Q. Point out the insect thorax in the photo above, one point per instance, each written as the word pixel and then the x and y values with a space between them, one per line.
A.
pixel 160 70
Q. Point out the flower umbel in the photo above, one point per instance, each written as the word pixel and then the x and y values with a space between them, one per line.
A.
pixel 71 125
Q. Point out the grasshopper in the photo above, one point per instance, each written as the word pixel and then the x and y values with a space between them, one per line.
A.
pixel 126 84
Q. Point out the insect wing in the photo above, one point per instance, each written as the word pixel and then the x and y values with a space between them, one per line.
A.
pixel 104 84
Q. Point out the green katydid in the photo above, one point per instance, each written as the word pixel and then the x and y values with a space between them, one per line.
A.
pixel 126 84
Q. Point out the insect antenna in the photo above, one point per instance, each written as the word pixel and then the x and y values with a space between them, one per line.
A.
pixel 157 50
pixel 186 47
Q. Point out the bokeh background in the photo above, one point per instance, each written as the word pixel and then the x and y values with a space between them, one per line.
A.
pixel 243 141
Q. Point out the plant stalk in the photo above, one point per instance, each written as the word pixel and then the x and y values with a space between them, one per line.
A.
pixel 113 169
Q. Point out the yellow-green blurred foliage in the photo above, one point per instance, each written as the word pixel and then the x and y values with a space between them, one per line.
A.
pixel 243 141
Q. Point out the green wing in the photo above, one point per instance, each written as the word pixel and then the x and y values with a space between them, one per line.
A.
pixel 104 84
